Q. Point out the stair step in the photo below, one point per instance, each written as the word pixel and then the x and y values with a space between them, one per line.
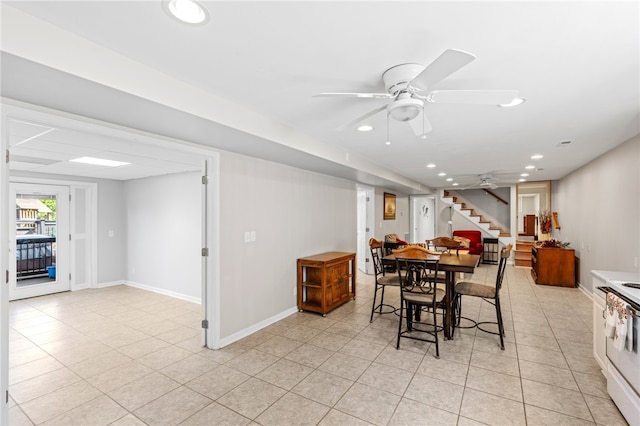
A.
pixel 477 219
pixel 522 255
pixel 521 262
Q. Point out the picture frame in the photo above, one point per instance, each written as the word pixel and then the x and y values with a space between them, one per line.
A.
pixel 389 206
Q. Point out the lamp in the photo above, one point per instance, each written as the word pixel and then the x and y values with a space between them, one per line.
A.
pixel 405 109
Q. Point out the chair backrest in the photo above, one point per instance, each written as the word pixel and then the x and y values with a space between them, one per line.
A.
pixel 504 255
pixel 388 247
pixel 376 249
pixel 419 274
pixel 414 251
pixel 443 242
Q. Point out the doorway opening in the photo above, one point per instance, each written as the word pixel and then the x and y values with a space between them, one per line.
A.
pixel 365 226
pixel 423 218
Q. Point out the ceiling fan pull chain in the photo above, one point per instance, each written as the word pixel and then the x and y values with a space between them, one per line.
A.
pixel 388 142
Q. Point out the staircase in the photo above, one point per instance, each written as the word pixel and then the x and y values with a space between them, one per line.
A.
pixel 482 223
pixel 522 253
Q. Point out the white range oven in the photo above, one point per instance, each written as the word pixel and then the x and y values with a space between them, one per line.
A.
pixel 623 364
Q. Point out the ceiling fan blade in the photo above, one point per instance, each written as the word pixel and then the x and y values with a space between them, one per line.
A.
pixel 480 97
pixel 420 125
pixel 353 95
pixel 362 118
pixel 450 61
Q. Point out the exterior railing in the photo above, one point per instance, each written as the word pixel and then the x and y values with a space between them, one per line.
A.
pixel 34 253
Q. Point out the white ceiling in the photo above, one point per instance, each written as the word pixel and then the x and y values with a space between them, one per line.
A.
pixel 49 148
pixel 576 63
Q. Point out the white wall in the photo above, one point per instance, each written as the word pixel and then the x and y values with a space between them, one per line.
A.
pixel 487 205
pixel 164 222
pixel 398 226
pixel 598 209
pixel 112 251
pixel 294 213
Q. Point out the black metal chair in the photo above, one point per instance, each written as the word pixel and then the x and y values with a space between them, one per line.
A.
pixel 382 280
pixel 418 293
pixel 487 293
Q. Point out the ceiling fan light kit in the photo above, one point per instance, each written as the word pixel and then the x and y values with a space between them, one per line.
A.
pixel 405 109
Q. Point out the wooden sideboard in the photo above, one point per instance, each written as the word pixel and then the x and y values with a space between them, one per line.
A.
pixel 553 266
pixel 326 281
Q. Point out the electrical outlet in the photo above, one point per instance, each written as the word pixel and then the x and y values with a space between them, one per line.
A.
pixel 295 291
pixel 253 235
pixel 635 261
pixel 247 237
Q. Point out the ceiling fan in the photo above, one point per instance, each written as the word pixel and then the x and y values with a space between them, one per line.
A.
pixel 486 181
pixel 409 87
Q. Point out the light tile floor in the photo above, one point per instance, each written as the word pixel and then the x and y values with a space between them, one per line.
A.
pixel 124 356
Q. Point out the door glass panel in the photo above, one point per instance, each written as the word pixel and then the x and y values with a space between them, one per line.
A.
pixel 39 240
pixel 36 233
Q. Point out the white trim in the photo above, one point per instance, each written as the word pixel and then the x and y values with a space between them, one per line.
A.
pixel 584 290
pixel 4 266
pixel 109 284
pixel 256 327
pixel 213 260
pixel 163 291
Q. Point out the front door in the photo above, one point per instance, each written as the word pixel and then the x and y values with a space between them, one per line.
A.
pixel 39 240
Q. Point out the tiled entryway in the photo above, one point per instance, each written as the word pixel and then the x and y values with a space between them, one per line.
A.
pixel 125 356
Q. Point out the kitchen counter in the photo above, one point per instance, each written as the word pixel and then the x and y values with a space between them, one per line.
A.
pixel 615 279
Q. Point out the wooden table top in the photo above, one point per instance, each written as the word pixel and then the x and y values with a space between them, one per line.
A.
pixel 328 256
pixel 454 262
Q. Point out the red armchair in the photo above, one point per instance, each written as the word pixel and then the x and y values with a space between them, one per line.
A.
pixel 475 240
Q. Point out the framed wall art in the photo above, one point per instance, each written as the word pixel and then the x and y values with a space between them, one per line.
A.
pixel 389 206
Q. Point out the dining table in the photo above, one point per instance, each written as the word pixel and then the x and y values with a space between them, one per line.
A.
pixel 450 263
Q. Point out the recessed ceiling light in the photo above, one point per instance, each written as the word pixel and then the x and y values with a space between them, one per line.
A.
pixel 514 102
pixel 522 180
pixel 431 165
pixel 524 174
pixel 449 179
pixel 99 162
pixel 188 11
pixel 365 128
pixel 537 156
pixel 530 167
pixel 387 143
pixel 455 184
pixel 442 174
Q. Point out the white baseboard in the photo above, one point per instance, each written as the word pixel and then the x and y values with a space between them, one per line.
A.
pixel 109 284
pixel 256 327
pixel 150 288
pixel 584 290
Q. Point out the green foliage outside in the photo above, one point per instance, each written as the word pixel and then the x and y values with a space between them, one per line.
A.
pixel 51 203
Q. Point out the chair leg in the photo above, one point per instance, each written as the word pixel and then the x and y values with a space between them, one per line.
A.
pixel 435 331
pixel 381 298
pixel 500 324
pixel 400 325
pixel 373 306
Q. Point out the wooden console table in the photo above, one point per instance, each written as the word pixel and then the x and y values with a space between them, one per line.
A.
pixel 326 281
pixel 553 266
